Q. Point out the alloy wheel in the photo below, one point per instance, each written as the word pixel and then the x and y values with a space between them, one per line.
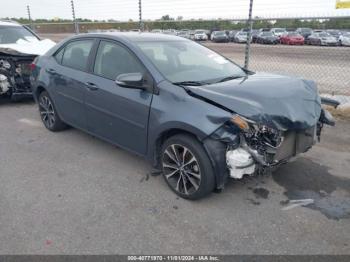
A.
pixel 181 169
pixel 47 111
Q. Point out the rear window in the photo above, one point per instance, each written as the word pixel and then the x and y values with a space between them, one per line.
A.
pixel 76 54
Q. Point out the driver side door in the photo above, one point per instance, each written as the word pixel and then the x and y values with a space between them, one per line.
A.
pixel 114 113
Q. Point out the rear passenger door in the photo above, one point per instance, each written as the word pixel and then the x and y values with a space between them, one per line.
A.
pixel 115 113
pixel 69 81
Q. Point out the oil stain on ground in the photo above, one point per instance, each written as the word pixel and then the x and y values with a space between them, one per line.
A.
pixel 261 192
pixel 305 179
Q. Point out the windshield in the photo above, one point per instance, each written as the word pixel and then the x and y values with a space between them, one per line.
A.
pixel 279 30
pixel 294 34
pixel 305 30
pixel 220 33
pixel 324 35
pixel 199 32
pixel 267 34
pixel 242 34
pixel 182 61
pixel 11 34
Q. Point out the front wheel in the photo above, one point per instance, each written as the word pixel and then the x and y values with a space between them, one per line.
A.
pixel 48 113
pixel 187 168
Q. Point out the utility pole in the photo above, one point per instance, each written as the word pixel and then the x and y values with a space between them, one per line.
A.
pixel 76 25
pixel 249 35
pixel 140 16
pixel 30 18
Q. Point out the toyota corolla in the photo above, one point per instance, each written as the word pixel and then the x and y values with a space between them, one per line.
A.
pixel 194 114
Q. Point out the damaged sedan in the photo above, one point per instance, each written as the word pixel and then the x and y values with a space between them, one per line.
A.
pixel 19 46
pixel 194 114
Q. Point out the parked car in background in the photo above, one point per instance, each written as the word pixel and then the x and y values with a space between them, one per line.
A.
pixel 241 37
pixel 264 30
pixel 184 34
pixel 169 32
pixel 344 39
pixel 195 115
pixel 255 34
pixel 292 38
pixel 322 38
pixel 192 32
pixel 334 33
pixel 305 32
pixel 200 35
pixel 157 31
pixel 219 37
pixel 278 31
pixel 231 35
pixel 267 37
pixel 19 46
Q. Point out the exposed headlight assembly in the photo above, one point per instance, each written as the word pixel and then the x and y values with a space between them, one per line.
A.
pixel 5 64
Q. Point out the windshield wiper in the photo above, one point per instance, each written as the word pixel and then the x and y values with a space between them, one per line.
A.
pixel 189 83
pixel 228 78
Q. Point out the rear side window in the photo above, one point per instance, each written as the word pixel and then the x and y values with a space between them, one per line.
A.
pixel 76 54
pixel 113 59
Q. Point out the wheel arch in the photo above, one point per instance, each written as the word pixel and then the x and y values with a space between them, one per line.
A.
pixel 163 136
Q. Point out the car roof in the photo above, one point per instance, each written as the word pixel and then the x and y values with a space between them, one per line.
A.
pixel 9 23
pixel 132 36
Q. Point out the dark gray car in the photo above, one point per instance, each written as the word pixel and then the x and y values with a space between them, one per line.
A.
pixel 194 114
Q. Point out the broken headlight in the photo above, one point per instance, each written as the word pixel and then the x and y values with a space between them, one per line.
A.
pixel 5 64
pixel 258 137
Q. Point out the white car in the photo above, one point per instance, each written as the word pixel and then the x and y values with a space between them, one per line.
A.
pixel 278 31
pixel 241 37
pixel 200 35
pixel 345 39
pixel 19 46
pixel 157 31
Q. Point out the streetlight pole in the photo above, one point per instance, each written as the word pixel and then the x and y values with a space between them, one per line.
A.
pixel 29 17
pixel 140 16
pixel 249 36
pixel 76 26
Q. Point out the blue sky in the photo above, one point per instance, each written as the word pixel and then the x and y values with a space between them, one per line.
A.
pixel 153 9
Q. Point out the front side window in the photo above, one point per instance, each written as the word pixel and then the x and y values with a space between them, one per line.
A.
pixel 180 61
pixel 76 54
pixel 113 59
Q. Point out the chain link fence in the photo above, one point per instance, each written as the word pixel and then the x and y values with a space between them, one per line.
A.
pixel 329 66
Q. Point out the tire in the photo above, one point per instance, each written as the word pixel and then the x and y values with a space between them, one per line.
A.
pixel 186 167
pixel 48 113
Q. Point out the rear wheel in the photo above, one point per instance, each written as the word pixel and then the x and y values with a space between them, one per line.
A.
pixel 187 168
pixel 48 113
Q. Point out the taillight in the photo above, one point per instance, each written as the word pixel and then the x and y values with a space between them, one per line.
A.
pixel 32 66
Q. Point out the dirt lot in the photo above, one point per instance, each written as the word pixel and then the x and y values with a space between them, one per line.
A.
pixel 71 193
pixel 329 66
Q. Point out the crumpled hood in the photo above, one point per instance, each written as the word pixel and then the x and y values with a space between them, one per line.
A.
pixel 281 102
pixel 31 46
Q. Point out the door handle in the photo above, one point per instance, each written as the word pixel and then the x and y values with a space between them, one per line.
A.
pixel 91 86
pixel 51 71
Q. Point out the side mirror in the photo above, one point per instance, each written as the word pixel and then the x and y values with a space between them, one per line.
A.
pixel 130 80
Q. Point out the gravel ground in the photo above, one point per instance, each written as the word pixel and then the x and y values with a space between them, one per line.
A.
pixel 70 193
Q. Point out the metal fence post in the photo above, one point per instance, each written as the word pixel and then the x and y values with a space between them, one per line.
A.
pixel 140 16
pixel 76 25
pixel 30 18
pixel 249 36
